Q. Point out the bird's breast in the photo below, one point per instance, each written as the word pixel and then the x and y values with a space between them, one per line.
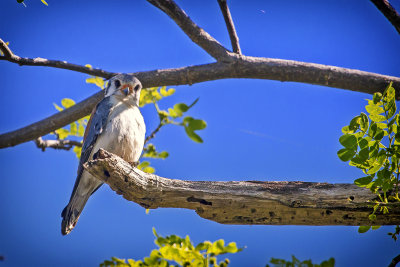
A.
pixel 125 132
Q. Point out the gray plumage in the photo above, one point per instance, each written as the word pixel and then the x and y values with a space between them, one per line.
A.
pixel 116 125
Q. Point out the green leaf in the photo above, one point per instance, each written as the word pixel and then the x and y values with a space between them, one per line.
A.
pixel 62 133
pixel 58 107
pixel 192 135
pixel 364 122
pixel 364 181
pixel 374 109
pixel 377 98
pixel 375 227
pixel 180 108
pixel 349 141
pixel 377 118
pixel 74 128
pixel 372 217
pixel 165 92
pixel 196 124
pixel 363 229
pixel 346 154
pixel 96 80
pixel 67 102
pixel 77 150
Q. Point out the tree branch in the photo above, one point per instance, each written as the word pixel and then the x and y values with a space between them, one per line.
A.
pixel 10 56
pixel 246 202
pixel 223 5
pixel 50 124
pixel 394 261
pixel 389 12
pixel 56 144
pixel 244 67
pixel 153 133
pixel 194 32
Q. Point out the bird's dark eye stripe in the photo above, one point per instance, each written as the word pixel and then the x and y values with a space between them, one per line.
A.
pixel 117 83
pixel 136 87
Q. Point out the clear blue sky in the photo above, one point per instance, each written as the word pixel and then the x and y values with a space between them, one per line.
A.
pixel 257 129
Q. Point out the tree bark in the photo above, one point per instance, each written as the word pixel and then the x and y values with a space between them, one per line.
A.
pixel 244 202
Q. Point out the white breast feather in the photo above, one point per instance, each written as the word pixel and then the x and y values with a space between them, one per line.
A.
pixel 124 134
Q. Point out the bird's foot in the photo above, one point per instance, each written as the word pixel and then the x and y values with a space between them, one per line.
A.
pixel 134 164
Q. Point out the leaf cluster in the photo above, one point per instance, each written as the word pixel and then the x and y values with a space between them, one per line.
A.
pixel 297 263
pixel 372 143
pixel 181 251
pixel 76 128
pixel 173 115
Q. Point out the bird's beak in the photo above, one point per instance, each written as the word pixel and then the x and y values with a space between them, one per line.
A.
pixel 126 89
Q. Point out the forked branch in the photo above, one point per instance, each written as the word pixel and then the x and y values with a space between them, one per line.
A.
pixel 246 202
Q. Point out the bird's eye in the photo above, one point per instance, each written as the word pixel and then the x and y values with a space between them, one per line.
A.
pixel 117 83
pixel 137 87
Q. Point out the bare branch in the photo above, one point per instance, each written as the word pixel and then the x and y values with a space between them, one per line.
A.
pixel 194 32
pixel 153 133
pixel 394 261
pixel 246 202
pixel 56 144
pixel 10 56
pixel 223 5
pixel 244 67
pixel 389 12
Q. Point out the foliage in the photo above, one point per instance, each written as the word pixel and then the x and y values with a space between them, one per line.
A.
pixel 372 143
pixel 176 250
pixel 297 263
pixel 76 128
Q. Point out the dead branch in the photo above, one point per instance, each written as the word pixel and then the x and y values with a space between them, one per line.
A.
pixel 10 56
pixel 56 144
pixel 244 67
pixel 246 202
pixel 389 12
pixel 223 5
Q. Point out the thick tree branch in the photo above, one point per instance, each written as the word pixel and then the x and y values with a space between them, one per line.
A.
pixel 194 32
pixel 56 144
pixel 389 12
pixel 243 67
pixel 10 56
pixel 246 202
pixel 223 5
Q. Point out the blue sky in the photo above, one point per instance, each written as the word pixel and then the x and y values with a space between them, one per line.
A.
pixel 257 129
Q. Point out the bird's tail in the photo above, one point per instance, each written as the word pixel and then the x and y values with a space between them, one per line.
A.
pixel 71 212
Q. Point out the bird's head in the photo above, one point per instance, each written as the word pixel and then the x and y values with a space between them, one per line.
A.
pixel 124 86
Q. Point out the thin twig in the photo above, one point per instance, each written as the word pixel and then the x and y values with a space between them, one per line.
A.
pixel 389 12
pixel 245 67
pixel 10 56
pixel 394 261
pixel 192 30
pixel 223 5
pixel 153 134
pixel 56 144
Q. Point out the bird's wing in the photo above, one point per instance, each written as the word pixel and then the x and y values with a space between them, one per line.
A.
pixel 94 129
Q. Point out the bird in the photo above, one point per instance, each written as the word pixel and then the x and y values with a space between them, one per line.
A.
pixel 115 125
